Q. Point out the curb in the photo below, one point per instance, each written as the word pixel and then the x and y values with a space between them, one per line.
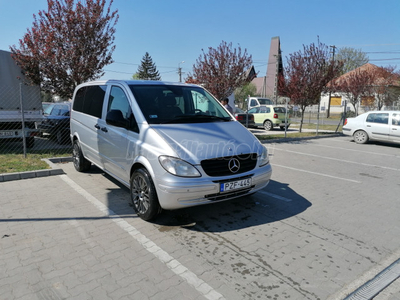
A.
pixel 289 139
pixel 38 173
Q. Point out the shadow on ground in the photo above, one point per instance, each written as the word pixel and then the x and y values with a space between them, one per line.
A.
pixel 274 203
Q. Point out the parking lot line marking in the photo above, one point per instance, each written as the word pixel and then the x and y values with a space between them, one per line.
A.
pixel 175 266
pixel 337 159
pixel 316 173
pixel 275 196
pixel 357 150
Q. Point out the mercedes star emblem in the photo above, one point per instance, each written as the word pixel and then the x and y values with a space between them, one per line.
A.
pixel 234 165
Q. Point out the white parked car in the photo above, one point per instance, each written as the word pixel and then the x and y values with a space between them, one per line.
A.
pixel 374 126
pixel 174 145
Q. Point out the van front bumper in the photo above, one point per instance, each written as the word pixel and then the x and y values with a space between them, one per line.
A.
pixel 183 192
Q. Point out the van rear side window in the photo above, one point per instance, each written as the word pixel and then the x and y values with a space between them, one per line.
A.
pixel 89 100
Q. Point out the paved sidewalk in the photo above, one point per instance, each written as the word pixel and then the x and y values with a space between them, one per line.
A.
pixel 54 244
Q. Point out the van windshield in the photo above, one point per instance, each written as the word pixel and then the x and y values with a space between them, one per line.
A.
pixel 162 104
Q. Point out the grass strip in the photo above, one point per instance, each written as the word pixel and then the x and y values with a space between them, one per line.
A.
pixel 10 163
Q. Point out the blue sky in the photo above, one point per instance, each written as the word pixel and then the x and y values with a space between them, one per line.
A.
pixel 173 31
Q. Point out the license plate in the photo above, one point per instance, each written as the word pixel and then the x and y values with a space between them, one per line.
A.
pixel 235 185
pixel 6 133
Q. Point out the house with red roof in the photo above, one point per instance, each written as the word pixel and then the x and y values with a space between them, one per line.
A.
pixel 382 92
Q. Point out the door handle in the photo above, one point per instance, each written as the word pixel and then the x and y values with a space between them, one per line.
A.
pixel 104 129
pixel 97 126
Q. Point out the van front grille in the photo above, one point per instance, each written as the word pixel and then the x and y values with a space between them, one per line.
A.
pixel 229 165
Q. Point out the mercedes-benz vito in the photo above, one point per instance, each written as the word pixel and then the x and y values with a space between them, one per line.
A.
pixel 174 145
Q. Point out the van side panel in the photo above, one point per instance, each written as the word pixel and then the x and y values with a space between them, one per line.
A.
pixel 87 110
pixel 85 126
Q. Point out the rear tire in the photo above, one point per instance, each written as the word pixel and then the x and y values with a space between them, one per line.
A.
pixel 143 195
pixel 81 164
pixel 360 137
pixel 268 125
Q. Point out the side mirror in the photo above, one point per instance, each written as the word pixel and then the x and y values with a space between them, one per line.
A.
pixel 115 118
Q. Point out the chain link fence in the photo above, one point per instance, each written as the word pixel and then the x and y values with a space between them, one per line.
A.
pixel 26 129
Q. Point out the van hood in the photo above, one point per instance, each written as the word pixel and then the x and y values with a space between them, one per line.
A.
pixel 195 142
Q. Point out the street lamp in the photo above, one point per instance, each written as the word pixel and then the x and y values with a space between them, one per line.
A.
pixel 180 70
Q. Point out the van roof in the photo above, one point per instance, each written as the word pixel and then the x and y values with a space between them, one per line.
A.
pixel 137 82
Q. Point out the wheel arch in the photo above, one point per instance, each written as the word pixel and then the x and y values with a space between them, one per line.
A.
pixel 142 162
pixel 271 122
pixel 267 120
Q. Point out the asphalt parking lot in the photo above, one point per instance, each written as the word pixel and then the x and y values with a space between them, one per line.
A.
pixel 325 226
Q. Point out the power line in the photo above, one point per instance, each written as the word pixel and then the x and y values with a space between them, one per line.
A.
pixel 380 59
pixel 118 72
pixel 132 64
pixel 368 45
pixel 385 52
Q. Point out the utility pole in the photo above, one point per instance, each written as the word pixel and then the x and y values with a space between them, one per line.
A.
pixel 180 71
pixel 276 78
pixel 329 101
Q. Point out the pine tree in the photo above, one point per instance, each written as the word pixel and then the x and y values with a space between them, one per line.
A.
pixel 147 70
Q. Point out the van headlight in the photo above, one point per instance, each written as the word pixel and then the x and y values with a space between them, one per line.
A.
pixel 178 167
pixel 264 159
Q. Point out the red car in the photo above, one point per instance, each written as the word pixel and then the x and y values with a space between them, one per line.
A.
pixel 244 118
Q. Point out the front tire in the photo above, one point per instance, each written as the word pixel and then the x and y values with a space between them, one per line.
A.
pixel 360 137
pixel 143 195
pixel 268 125
pixel 81 164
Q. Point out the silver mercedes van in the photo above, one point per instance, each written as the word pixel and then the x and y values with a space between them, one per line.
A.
pixel 174 145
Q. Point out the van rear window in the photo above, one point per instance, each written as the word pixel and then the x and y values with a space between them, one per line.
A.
pixel 89 100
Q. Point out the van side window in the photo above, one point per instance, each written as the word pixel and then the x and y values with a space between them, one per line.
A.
pixel 382 118
pixel 396 119
pixel 253 102
pixel 119 101
pixel 89 100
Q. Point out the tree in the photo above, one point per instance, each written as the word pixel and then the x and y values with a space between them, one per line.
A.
pixel 241 93
pixel 386 86
pixel 67 45
pixel 135 76
pixel 147 69
pixel 351 58
pixel 355 85
pixel 221 70
pixel 307 74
